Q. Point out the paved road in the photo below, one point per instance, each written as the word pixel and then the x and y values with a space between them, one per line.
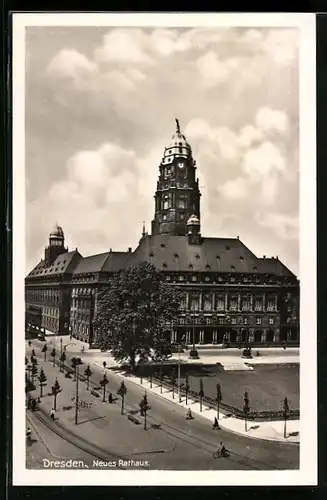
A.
pixel 194 441
pixel 47 446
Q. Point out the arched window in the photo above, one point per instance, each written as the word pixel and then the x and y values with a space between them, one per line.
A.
pixel 182 201
pixel 166 201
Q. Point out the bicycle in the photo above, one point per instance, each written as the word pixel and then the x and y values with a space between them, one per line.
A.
pixel 221 454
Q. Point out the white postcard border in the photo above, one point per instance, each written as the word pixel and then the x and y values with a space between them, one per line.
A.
pixel 307 475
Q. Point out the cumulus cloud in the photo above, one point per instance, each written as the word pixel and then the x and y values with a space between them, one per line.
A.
pixel 70 63
pixel 100 109
pixel 284 226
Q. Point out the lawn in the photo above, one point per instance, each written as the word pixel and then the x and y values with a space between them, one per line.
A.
pixel 267 385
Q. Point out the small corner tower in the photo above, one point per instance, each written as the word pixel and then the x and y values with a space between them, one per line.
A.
pixel 177 196
pixel 193 230
pixel 56 245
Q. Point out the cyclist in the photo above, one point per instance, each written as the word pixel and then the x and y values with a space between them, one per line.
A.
pixel 222 450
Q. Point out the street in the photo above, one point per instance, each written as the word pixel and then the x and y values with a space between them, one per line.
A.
pixel 170 442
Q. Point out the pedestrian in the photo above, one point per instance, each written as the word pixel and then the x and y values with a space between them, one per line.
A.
pixel 33 403
pixel 29 343
pixel 52 414
pixel 28 433
pixel 215 424
pixel 33 353
pixel 110 398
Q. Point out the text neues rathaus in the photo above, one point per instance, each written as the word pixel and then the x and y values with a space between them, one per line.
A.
pixel 229 293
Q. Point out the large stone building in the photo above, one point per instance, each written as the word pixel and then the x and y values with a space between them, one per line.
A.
pixel 229 293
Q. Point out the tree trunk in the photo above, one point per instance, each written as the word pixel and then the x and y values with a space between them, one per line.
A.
pixel 145 420
pixel 88 383
pixel 41 390
pixel 285 428
pixel 186 393
pixel 132 361
pixel 246 424
pixel 104 393
pixel 122 405
pixel 200 404
pixel 55 401
pixel 218 411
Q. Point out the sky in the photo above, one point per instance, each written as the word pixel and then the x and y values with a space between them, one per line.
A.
pixel 101 106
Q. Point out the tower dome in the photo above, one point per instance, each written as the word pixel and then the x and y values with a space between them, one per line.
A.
pixel 193 221
pixel 57 232
pixel 177 147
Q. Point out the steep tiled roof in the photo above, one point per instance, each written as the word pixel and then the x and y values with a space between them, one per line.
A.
pixel 116 261
pixel 174 253
pixel 91 264
pixel 273 265
pixel 62 264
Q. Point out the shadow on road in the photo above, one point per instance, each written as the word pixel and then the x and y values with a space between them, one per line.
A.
pixel 90 420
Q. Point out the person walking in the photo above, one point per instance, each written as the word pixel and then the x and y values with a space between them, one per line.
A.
pixel 215 424
pixel 28 434
pixel 52 414
pixel 110 398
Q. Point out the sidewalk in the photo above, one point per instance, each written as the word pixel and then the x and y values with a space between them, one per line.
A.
pixel 99 423
pixel 271 431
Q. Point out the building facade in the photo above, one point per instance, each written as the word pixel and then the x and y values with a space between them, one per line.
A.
pixel 229 294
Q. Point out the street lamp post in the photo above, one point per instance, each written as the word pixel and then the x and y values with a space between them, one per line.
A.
pixel 60 359
pixel 179 369
pixel 76 362
pixel 193 353
pixel 76 397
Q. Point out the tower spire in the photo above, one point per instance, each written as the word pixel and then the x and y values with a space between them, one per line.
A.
pixel 143 229
pixel 178 130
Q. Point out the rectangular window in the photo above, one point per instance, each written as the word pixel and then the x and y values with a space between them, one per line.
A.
pixel 245 321
pixel 220 320
pixel 208 321
pixel 270 303
pixel 258 321
pixel 271 321
pixel 207 302
pixel 245 303
pixel 220 302
pixel 258 304
pixel 195 303
pixel 183 302
pixel 233 321
pixel 233 304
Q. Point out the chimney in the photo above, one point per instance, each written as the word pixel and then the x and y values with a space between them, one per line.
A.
pixel 129 249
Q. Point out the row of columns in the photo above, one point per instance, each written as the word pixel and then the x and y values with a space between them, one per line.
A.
pixel 200 295
pixel 199 336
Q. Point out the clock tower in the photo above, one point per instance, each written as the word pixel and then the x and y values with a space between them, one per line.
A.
pixel 177 196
